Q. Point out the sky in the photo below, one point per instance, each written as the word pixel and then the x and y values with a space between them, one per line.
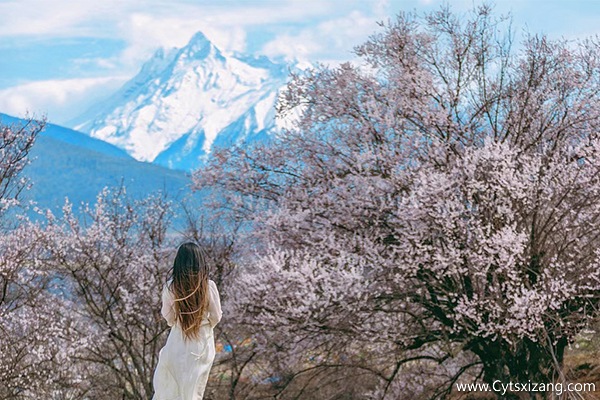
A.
pixel 58 57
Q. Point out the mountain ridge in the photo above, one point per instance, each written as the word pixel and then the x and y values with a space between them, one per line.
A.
pixel 68 164
pixel 184 101
pixel 71 136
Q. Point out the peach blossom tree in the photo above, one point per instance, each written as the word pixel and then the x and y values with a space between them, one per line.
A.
pixel 435 208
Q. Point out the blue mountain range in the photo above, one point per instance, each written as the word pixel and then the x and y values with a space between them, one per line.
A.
pixel 69 164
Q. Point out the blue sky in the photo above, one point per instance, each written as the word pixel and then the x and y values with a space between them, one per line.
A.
pixel 58 57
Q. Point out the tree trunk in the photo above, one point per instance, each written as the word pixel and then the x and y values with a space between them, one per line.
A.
pixel 527 362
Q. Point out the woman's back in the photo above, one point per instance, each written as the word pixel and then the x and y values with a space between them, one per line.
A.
pixel 192 307
pixel 213 315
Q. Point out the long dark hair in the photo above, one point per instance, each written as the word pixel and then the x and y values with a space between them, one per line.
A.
pixel 190 287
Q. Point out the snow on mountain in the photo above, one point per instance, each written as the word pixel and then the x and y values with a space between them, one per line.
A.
pixel 185 101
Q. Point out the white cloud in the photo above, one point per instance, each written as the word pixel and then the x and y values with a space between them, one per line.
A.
pixel 332 39
pixel 298 47
pixel 59 100
pixel 60 18
pixel 145 26
pixel 57 18
pixel 381 7
pixel 145 33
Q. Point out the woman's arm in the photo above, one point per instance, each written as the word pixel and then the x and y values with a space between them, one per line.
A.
pixel 214 304
pixel 168 306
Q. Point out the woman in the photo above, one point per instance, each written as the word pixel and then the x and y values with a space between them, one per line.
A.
pixel 191 306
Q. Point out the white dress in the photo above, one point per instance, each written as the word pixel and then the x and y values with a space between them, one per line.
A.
pixel 183 366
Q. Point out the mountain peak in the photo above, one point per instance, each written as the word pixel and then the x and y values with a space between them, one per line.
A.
pixel 186 100
pixel 199 38
pixel 199 47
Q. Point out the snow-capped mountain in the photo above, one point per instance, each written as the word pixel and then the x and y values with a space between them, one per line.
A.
pixel 183 102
